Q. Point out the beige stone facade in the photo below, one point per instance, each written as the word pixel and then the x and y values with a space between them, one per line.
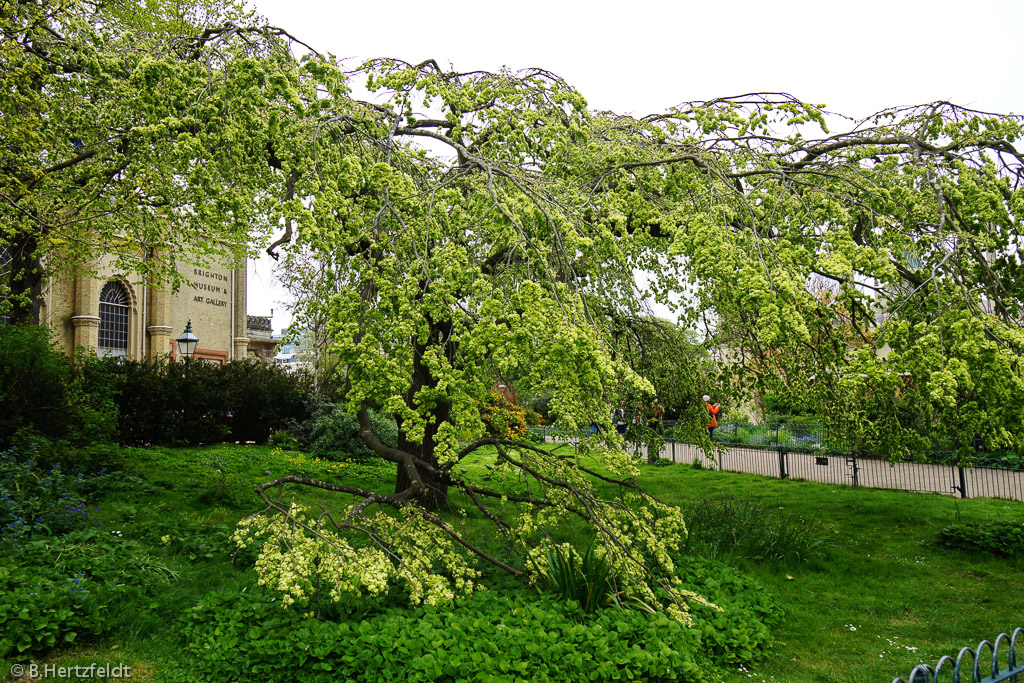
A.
pixel 214 299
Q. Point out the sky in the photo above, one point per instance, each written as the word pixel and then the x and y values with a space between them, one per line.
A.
pixel 642 57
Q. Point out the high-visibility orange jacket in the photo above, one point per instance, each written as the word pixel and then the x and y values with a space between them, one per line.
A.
pixel 714 414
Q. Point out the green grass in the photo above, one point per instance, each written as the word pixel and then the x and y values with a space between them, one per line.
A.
pixel 867 591
pixel 882 587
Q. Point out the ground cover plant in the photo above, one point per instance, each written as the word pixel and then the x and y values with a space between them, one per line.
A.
pixel 1002 537
pixel 870 579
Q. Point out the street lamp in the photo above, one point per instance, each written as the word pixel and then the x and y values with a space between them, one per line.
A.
pixel 188 342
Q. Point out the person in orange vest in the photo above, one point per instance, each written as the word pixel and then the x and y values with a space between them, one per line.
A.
pixel 713 409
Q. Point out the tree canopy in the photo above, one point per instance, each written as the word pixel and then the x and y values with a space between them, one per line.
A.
pixel 509 247
pixel 462 226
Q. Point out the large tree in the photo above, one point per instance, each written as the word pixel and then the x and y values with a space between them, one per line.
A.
pixel 467 225
pixel 810 254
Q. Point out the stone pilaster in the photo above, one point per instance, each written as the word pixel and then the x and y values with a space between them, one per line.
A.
pixel 159 341
pixel 159 327
pixel 86 317
pixel 87 330
pixel 241 324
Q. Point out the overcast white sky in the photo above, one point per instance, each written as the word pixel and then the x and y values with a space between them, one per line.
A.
pixel 642 57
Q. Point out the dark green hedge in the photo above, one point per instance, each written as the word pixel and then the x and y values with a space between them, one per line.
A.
pixel 43 392
pixel 192 403
pixel 89 400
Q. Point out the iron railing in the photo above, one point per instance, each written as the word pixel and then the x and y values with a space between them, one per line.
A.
pixel 808 452
pixel 971 660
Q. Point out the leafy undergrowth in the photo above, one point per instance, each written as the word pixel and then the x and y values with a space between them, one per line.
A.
pixel 866 589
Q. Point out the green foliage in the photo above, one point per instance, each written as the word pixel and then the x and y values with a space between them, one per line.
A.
pixel 263 397
pixel 38 503
pixel 132 106
pixel 542 406
pixel 782 407
pixel 670 357
pixel 503 418
pixel 741 629
pixel 535 436
pixel 54 592
pixel 43 392
pixel 745 528
pixel 488 637
pixel 332 434
pixel 283 438
pixel 193 403
pixel 119 485
pixel 1003 537
pixel 587 579
pixel 533 418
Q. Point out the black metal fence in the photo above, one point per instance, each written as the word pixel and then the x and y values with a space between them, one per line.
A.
pixel 984 664
pixel 807 452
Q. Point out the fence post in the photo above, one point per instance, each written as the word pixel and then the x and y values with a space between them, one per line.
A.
pixel 855 467
pixel 783 468
pixel 963 481
pixel 673 449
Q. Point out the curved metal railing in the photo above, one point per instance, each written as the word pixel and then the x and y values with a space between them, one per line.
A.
pixel 1013 672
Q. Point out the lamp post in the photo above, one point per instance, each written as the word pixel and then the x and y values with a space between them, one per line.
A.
pixel 188 342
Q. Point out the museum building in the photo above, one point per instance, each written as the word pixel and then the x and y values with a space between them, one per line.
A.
pixel 119 317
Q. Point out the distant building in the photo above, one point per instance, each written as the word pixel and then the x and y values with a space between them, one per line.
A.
pixel 262 342
pixel 294 355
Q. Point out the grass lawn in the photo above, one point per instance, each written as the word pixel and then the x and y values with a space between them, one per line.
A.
pixel 868 598
pixel 884 597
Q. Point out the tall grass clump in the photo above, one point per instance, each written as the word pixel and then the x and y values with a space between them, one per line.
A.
pixel 744 528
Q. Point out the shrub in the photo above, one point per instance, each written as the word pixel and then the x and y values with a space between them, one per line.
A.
pixel 533 418
pixel 263 398
pixel 534 436
pixel 332 434
pixel 34 380
pixel 283 438
pixel 42 392
pixel 1003 537
pixel 171 404
pixel 542 406
pixel 502 418
pixel 193 403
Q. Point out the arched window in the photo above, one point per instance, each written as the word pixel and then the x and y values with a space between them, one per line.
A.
pixel 114 305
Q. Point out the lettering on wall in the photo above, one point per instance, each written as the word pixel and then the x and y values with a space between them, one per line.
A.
pixel 212 282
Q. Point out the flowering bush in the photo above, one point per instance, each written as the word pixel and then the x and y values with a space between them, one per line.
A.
pixel 503 418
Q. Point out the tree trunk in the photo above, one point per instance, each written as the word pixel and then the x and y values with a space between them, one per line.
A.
pixel 23 276
pixel 436 495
